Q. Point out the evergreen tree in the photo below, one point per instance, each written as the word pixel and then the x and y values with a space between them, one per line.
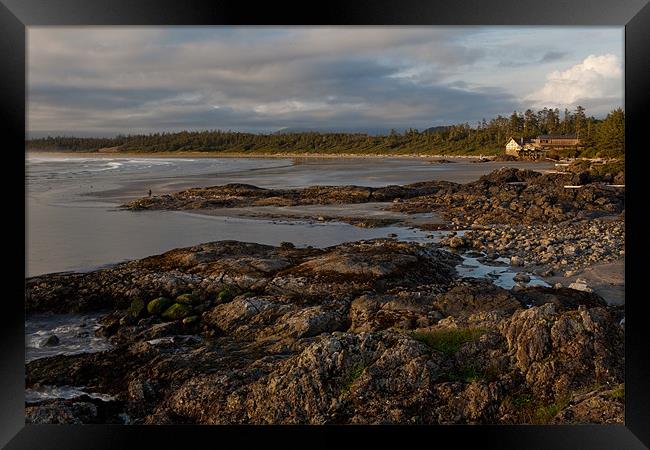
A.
pixel 610 139
pixel 580 122
pixel 604 136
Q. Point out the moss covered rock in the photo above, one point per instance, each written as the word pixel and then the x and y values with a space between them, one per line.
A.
pixel 190 320
pixel 187 299
pixel 177 311
pixel 159 305
pixel 136 308
pixel 225 295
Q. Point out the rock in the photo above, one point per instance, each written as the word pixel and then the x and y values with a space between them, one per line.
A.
pixel 475 296
pixel 507 195
pixel 110 324
pixel 61 412
pixel 581 285
pixel 190 320
pixel 521 277
pixel 159 305
pixel 556 352
pixel 516 261
pixel 225 295
pixel 569 250
pixel 348 263
pixel 127 320
pixel 287 245
pixel 80 410
pixel 562 298
pixel 159 330
pixel 140 391
pixel 50 341
pixel 368 332
pixel 137 308
pixel 597 406
pixel 379 312
pixel 557 285
pixel 177 311
pixel 187 299
pixel 458 242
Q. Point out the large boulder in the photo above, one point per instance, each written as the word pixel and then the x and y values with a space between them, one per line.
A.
pixel 474 296
pixel 558 352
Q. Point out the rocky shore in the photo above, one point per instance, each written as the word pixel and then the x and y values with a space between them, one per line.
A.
pixel 368 332
pixel 379 331
pixel 550 224
pixel 507 195
pixel 548 249
pixel 513 196
pixel 241 195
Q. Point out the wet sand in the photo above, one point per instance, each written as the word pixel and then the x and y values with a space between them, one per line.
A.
pixel 607 280
pixel 74 223
pixel 303 172
pixel 355 212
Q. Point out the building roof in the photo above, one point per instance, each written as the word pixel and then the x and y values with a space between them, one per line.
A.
pixel 520 140
pixel 557 136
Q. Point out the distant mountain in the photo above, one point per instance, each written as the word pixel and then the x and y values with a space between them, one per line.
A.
pixel 436 129
pixel 371 131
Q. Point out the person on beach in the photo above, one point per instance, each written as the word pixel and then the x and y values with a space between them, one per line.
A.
pixel 149 192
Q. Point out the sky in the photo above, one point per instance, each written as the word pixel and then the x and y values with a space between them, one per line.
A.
pixel 103 81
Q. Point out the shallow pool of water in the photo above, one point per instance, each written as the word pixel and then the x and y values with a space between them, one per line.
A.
pixel 73 223
pixel 75 334
pixel 501 275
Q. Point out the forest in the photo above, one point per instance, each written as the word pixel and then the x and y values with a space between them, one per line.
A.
pixel 599 137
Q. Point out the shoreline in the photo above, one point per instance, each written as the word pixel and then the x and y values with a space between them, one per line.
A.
pixel 245 316
pixel 553 226
pixel 304 327
pixel 256 155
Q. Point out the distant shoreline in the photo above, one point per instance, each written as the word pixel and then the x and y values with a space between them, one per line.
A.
pixel 249 155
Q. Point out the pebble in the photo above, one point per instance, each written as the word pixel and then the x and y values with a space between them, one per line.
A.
pixel 516 261
pixel 567 248
pixel 521 277
pixel 580 285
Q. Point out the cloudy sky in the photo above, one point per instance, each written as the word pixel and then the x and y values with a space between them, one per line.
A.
pixel 107 80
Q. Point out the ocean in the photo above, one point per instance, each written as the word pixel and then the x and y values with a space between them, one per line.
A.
pixel 74 222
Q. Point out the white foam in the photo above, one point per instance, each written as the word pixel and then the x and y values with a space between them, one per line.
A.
pixel 62 392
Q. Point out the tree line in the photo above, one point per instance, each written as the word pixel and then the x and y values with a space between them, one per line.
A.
pixel 599 137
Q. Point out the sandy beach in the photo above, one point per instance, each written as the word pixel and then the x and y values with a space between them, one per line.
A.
pixel 69 195
pixel 208 154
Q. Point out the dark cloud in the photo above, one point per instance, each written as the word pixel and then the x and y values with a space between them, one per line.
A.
pixel 126 80
pixel 553 56
pixel 98 98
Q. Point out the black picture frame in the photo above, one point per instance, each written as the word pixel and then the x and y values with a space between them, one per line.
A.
pixel 16 15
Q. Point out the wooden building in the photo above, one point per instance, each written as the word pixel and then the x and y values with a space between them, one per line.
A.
pixel 537 147
pixel 557 141
pixel 516 145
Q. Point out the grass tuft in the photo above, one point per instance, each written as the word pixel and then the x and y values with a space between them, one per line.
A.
pixel 355 372
pixel 466 374
pixel 448 341
pixel 545 413
pixel 618 393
